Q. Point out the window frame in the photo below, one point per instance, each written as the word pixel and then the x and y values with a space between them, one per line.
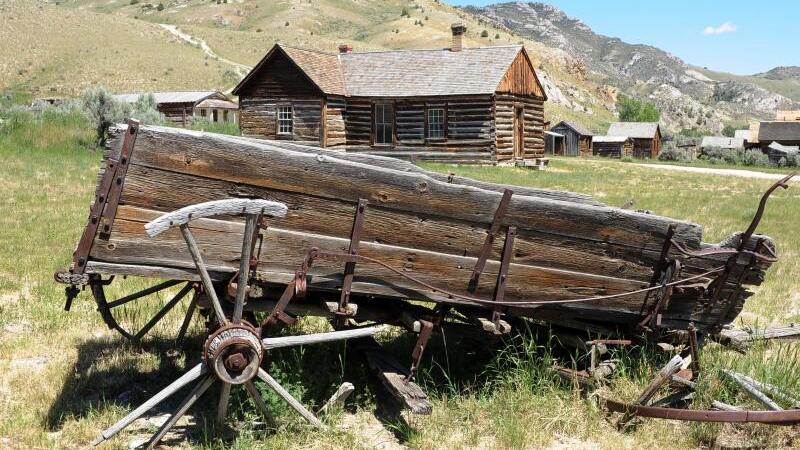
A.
pixel 384 123
pixel 442 122
pixel 278 119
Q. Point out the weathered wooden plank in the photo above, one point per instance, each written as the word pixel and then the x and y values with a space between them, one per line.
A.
pixel 195 154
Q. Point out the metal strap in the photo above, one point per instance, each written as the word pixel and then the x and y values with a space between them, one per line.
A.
pixel 486 251
pixel 81 255
pixel 502 275
pixel 350 266
pixel 114 194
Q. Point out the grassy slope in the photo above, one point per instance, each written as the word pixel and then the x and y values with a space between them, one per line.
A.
pixel 788 88
pixel 137 55
pixel 55 50
pixel 507 401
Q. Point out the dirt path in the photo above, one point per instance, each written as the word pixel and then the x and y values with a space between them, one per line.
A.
pixel 240 69
pixel 728 172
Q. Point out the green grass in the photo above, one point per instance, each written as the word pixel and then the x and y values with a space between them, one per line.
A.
pixel 484 397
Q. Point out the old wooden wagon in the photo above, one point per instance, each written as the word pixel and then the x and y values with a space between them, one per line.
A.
pixel 252 226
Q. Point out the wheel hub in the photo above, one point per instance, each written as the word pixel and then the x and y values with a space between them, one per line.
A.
pixel 234 353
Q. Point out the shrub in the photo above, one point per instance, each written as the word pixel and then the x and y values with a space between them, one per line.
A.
pixel 484 34
pixel 286 24
pixel 134 2
pixel 497 36
pixel 203 124
pixel 728 130
pixel 754 157
pixel 404 12
pixel 160 7
pixel 719 155
pixel 673 153
pixel 635 110
pixel 103 110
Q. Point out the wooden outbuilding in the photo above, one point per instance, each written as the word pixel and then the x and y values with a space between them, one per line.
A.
pixel 612 146
pixel 779 154
pixel 218 111
pixel 646 137
pixel 723 142
pixel 178 107
pixel 577 139
pixel 457 104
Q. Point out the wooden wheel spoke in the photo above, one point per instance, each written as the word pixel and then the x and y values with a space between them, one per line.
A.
pixel 317 338
pixel 203 272
pixel 187 319
pixel 187 403
pixel 260 403
pixel 244 266
pixel 222 405
pixel 193 374
pixel 143 293
pixel 161 313
pixel 288 398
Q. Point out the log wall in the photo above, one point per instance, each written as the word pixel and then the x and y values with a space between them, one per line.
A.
pixel 504 125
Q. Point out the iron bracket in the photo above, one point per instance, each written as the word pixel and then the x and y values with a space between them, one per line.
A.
pixel 502 278
pixel 350 266
pixel 486 250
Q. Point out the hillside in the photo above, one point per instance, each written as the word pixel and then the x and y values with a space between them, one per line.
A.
pixel 688 97
pixel 200 44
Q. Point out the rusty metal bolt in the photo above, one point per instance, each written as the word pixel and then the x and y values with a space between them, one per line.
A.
pixel 236 362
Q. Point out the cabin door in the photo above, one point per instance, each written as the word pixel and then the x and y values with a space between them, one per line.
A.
pixel 519 132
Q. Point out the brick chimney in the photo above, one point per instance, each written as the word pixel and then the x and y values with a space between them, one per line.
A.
pixel 345 48
pixel 459 29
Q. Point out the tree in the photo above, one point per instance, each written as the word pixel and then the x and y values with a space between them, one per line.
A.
pixel 728 130
pixel 634 110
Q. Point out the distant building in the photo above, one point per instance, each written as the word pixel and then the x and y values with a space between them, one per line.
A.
pixel 575 140
pixel 216 110
pixel 779 153
pixel 646 137
pixel 787 115
pixel 179 107
pixel 612 146
pixel 763 134
pixel 724 142
pixel 457 104
pixel 744 135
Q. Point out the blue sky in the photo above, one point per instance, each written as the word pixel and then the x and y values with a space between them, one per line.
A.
pixel 742 37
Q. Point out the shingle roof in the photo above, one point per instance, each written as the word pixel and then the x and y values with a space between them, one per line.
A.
pixel 217 103
pixel 636 130
pixel 577 127
pixel 779 131
pixel 323 68
pixel 610 139
pixel 171 97
pixel 785 149
pixel 722 142
pixel 402 73
pixel 409 73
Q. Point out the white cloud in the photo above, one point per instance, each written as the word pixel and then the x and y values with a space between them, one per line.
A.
pixel 726 27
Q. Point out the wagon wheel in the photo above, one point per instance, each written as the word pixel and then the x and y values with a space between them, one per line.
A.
pixel 234 351
pixel 138 313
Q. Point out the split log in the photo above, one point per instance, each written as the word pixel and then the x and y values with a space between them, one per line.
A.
pixel 338 398
pixel 752 390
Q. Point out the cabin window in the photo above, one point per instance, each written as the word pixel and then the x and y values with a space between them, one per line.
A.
pixel 384 123
pixel 436 123
pixel 224 116
pixel 285 119
pixel 214 115
pixel 202 112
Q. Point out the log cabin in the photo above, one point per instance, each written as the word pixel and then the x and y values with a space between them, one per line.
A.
pixel 646 137
pixel 612 146
pixel 465 105
pixel 764 133
pixel 577 139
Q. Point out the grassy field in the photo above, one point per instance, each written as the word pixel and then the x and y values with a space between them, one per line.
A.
pixel 64 377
